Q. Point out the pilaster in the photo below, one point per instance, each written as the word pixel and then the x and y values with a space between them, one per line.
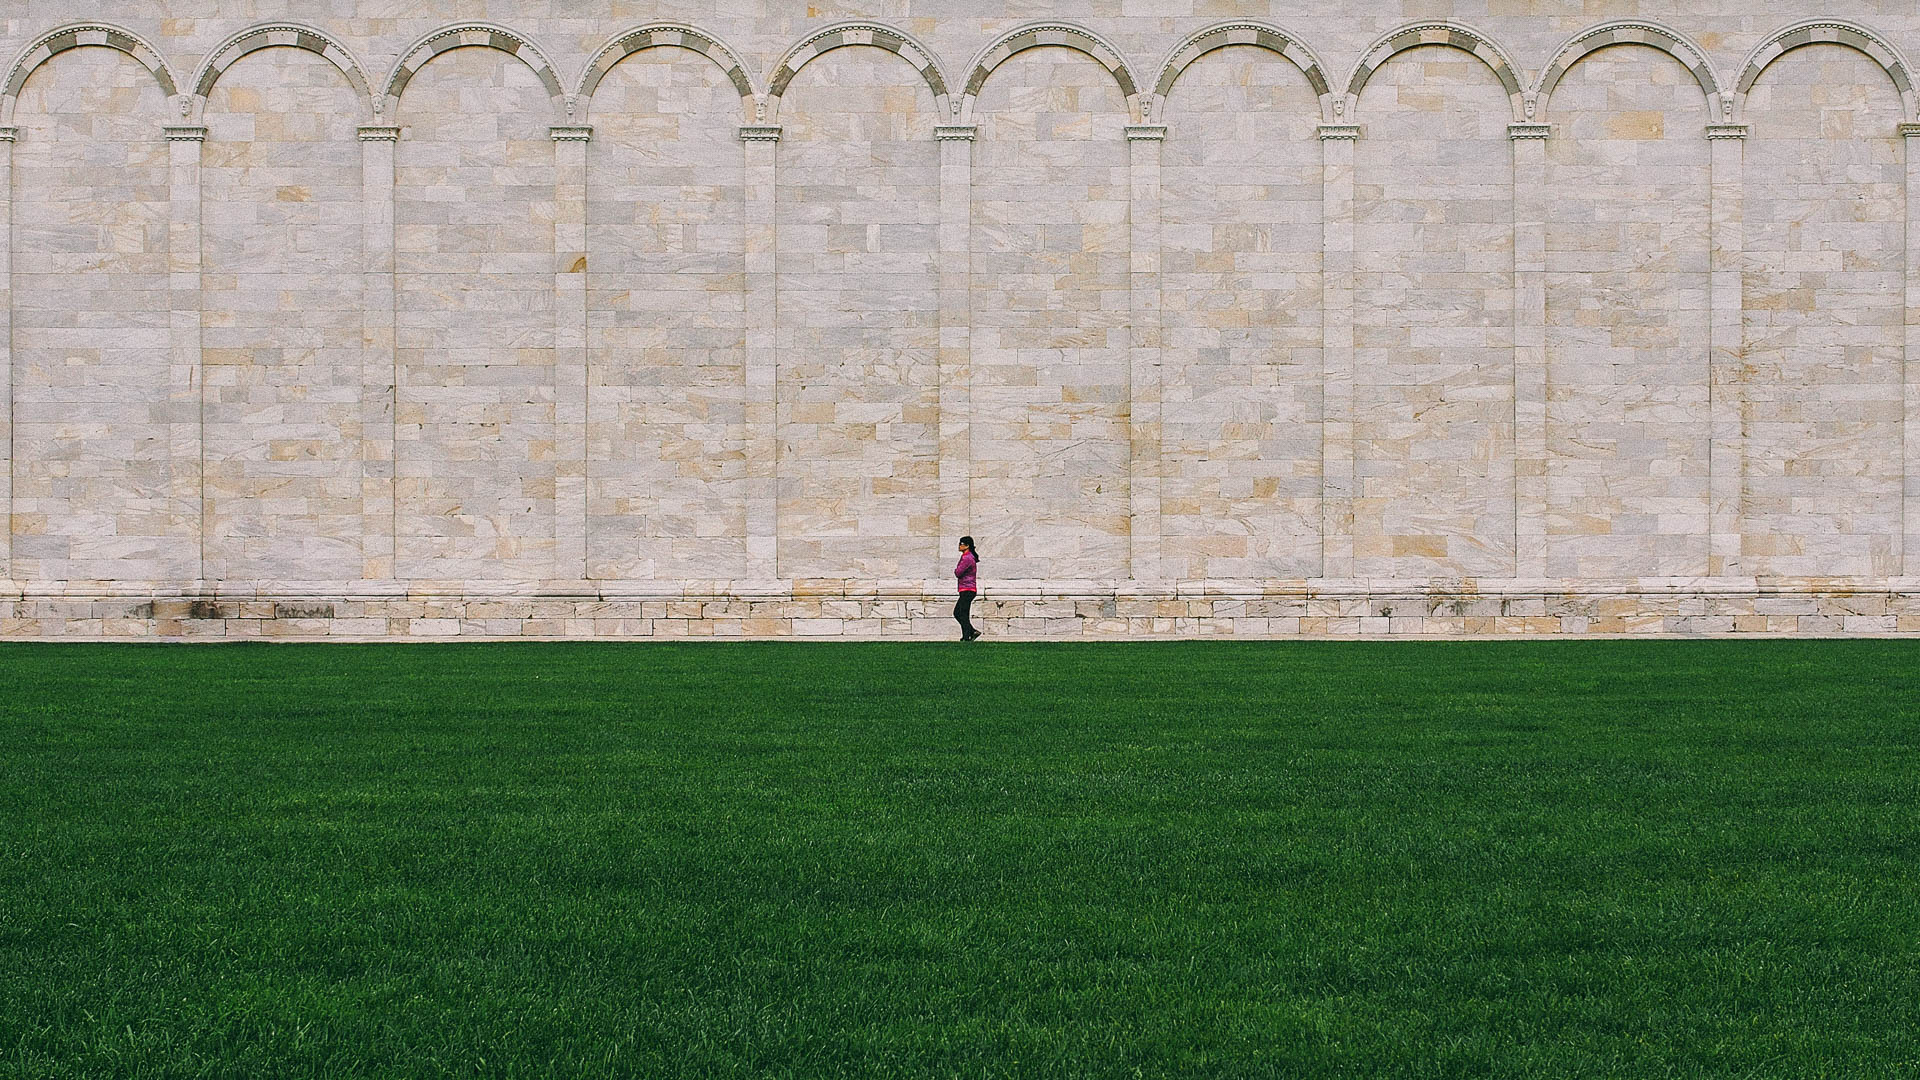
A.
pixel 956 320
pixel 186 392
pixel 1337 492
pixel 1529 143
pixel 1726 444
pixel 570 376
pixel 1144 142
pixel 1909 438
pixel 761 143
pixel 7 135
pixel 379 365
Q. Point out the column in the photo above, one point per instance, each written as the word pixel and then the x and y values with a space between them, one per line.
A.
pixel 1529 348
pixel 1144 563
pixel 761 141
pixel 956 329
pixel 1909 439
pixel 379 366
pixel 1337 490
pixel 570 387
pixel 186 398
pixel 1726 448
pixel 6 353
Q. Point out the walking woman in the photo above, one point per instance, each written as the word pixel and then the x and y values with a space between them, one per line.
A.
pixel 969 564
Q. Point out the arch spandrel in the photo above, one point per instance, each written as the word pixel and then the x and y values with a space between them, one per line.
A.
pixel 1251 32
pixel 666 35
pixel 280 35
pixel 1824 32
pixel 75 35
pixel 1035 35
pixel 1626 32
pixel 1441 32
pixel 842 34
pixel 466 35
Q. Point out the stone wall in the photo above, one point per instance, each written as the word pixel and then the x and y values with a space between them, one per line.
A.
pixel 1255 318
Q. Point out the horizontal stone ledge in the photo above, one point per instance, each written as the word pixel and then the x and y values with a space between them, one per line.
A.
pixel 804 589
pixel 402 621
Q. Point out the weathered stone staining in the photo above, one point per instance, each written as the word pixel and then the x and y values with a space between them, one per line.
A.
pixel 1205 318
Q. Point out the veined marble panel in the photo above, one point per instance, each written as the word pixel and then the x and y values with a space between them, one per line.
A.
pixel 281 320
pixel 1051 299
pixel 666 322
pixel 1433 321
pixel 1627 318
pixel 857 394
pixel 1822 400
pixel 474 321
pixel 99 493
pixel 1241 320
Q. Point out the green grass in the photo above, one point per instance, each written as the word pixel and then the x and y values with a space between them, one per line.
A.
pixel 1635 859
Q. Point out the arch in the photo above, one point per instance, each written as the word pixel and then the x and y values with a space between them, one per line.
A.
pixel 273 35
pixel 1824 32
pixel 656 35
pixel 1033 35
pixel 858 33
pixel 1626 32
pixel 1445 32
pixel 73 35
pixel 485 35
pixel 1259 34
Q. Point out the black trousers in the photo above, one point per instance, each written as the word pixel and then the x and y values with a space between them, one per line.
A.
pixel 961 608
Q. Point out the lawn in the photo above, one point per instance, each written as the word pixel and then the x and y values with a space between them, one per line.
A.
pixel 1212 859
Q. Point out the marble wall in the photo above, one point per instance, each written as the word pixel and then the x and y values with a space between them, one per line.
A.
pixel 311 307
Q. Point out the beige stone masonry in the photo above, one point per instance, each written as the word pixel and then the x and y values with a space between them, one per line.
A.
pixel 378 364
pixel 7 136
pixel 1336 387
pixel 1910 423
pixel 514 320
pixel 760 144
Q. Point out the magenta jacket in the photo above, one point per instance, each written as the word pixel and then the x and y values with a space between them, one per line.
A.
pixel 964 572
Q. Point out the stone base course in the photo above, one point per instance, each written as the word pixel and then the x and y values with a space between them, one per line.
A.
pixel 1079 613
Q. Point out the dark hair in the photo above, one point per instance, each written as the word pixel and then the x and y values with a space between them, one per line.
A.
pixel 968 540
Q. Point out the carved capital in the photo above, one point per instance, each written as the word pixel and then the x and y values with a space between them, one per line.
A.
pixel 1146 132
pixel 1529 131
pixel 8 134
pixel 571 133
pixel 185 133
pixel 380 133
pixel 956 132
pixel 1339 131
pixel 1728 131
pixel 760 133
pixel 1910 131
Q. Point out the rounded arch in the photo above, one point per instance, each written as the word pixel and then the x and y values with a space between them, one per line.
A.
pixel 459 35
pixel 1443 32
pixel 1253 32
pixel 1033 35
pixel 659 35
pixel 840 34
pixel 278 35
pixel 72 36
pixel 1823 32
pixel 1626 32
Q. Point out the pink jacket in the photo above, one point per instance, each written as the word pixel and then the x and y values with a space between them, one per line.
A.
pixel 965 572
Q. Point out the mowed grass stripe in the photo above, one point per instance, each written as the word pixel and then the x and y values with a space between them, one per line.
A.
pixel 917 859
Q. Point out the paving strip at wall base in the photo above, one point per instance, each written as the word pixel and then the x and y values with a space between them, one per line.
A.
pixel 1062 616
